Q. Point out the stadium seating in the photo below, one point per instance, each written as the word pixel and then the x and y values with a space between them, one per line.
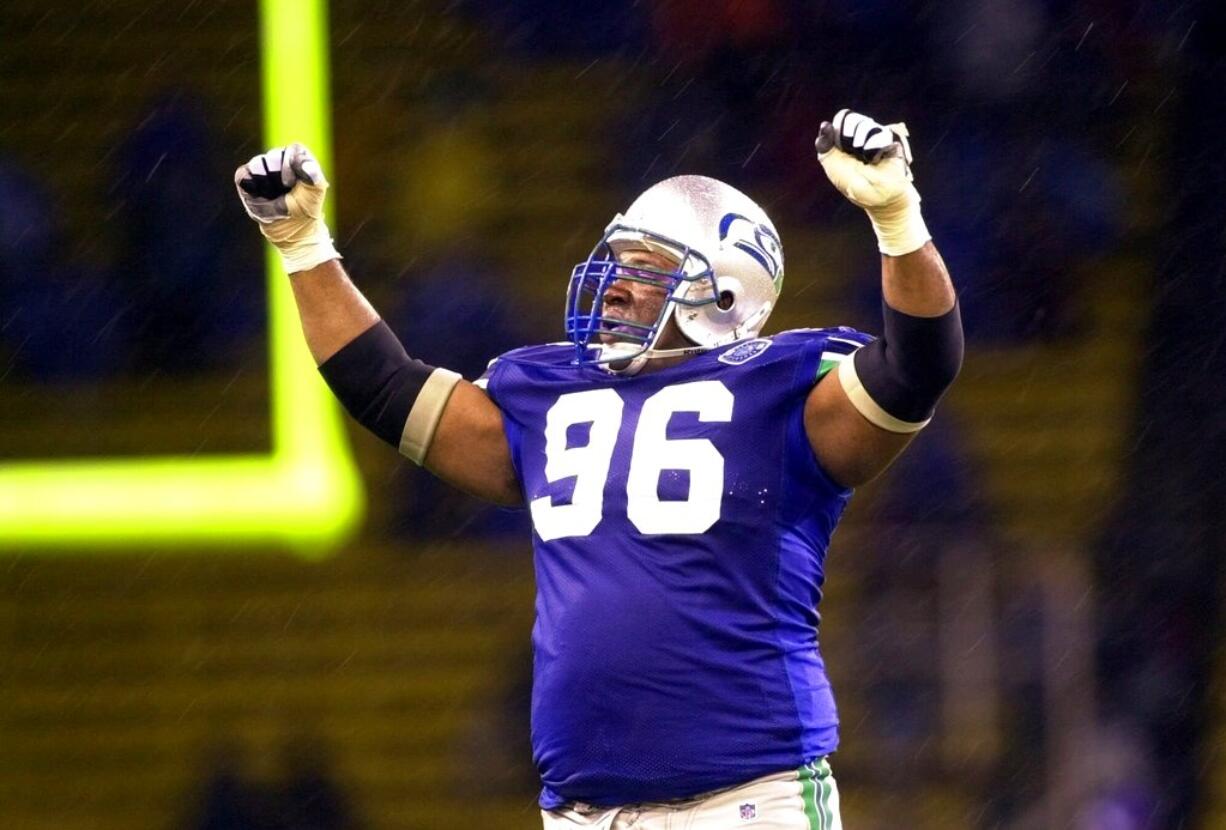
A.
pixel 123 675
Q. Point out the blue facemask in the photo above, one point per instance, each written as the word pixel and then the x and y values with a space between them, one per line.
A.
pixel 600 339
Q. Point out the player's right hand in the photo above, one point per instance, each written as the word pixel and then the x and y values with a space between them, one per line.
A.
pixel 283 190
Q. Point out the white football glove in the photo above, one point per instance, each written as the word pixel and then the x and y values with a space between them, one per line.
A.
pixel 870 164
pixel 283 190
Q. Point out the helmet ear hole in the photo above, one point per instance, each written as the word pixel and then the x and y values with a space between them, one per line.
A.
pixel 726 300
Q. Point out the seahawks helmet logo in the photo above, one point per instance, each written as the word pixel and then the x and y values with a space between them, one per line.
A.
pixel 755 239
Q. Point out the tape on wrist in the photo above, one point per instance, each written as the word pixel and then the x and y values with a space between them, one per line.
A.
pixel 298 258
pixel 900 227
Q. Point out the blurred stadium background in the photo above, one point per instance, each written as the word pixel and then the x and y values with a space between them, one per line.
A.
pixel 1021 618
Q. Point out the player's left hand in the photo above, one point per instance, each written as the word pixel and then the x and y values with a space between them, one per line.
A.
pixel 870 164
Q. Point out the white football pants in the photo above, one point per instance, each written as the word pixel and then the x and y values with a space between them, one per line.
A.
pixel 807 799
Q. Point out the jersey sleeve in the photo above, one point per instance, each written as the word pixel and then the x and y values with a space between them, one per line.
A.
pixel 517 382
pixel 490 379
pixel 483 382
pixel 811 355
pixel 824 349
pixel 838 346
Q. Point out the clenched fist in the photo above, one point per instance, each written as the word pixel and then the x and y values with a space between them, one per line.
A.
pixel 870 164
pixel 283 190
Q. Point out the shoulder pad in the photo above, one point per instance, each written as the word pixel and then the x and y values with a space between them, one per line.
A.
pixel 835 344
pixel 552 354
pixel 839 338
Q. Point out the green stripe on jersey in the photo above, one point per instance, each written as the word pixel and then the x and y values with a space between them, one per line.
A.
pixel 829 361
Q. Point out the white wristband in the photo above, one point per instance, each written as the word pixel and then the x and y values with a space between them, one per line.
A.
pixel 306 256
pixel 302 242
pixel 900 225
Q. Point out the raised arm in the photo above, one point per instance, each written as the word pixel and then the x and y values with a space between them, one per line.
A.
pixel 860 418
pixel 431 415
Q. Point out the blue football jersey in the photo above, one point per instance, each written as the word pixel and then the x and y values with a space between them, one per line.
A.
pixel 680 526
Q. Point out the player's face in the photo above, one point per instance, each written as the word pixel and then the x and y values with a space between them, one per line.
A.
pixel 639 302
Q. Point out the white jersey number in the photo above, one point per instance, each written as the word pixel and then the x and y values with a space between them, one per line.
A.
pixel 589 465
pixel 653 453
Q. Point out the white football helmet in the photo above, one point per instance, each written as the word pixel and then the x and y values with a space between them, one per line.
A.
pixel 727 275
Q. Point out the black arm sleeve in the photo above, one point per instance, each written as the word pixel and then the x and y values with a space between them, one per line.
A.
pixel 911 365
pixel 376 381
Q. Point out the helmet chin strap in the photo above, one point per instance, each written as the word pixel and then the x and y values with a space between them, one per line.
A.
pixel 632 365
pixel 652 354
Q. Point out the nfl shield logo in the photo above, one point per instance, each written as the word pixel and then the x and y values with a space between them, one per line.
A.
pixel 749 811
pixel 744 352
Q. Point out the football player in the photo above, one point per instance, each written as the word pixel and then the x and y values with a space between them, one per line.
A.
pixel 683 472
